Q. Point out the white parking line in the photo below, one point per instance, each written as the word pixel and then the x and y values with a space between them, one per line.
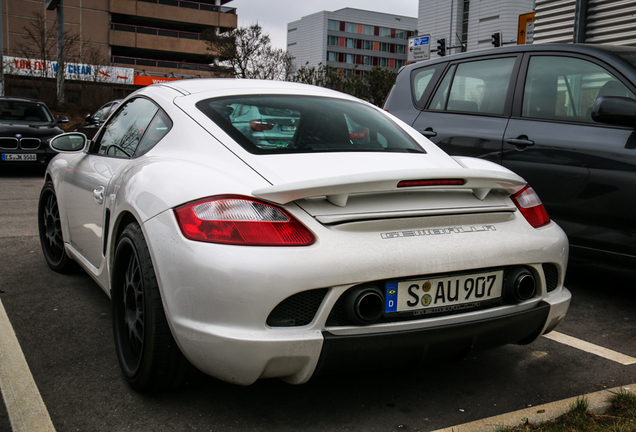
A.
pixel 591 348
pixel 26 409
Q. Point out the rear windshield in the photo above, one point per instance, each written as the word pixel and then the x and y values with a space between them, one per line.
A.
pixel 24 112
pixel 274 124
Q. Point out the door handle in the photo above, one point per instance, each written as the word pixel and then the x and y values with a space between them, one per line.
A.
pixel 429 132
pixel 98 194
pixel 521 141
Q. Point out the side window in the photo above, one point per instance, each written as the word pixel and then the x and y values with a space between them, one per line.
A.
pixel 476 87
pixel 158 128
pixel 421 79
pixel 124 132
pixel 439 100
pixel 565 88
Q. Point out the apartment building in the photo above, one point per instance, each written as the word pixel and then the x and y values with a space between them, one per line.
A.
pixel 151 38
pixel 350 39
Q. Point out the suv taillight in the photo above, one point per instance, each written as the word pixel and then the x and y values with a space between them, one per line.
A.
pixel 241 221
pixel 531 207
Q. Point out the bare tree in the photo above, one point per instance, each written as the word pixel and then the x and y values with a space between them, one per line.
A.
pixel 40 41
pixel 40 44
pixel 249 53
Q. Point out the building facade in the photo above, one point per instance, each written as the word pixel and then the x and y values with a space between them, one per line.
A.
pixel 586 21
pixel 154 38
pixel 350 40
pixel 469 25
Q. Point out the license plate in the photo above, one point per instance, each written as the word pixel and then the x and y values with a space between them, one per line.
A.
pixel 11 157
pixel 287 128
pixel 443 294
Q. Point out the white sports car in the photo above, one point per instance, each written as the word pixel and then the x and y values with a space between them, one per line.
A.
pixel 352 242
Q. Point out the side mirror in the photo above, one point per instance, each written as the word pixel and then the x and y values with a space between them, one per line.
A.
pixel 614 110
pixel 88 118
pixel 73 142
pixel 62 119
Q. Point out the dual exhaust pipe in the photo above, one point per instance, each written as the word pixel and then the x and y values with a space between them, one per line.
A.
pixel 364 305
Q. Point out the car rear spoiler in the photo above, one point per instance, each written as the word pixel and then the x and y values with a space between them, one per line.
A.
pixel 338 189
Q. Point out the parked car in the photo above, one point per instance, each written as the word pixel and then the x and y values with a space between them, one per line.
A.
pixel 26 126
pixel 93 122
pixel 273 127
pixel 561 116
pixel 329 253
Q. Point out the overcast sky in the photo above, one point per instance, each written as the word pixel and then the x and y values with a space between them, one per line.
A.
pixel 273 16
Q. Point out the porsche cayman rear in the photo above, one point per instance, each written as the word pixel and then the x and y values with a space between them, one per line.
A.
pixel 353 244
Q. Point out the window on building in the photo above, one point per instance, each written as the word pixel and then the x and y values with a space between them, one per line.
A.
pixel 350 43
pixel 383 62
pixel 350 58
pixel 332 56
pixel 366 60
pixel 351 27
pixel 384 46
pixel 399 63
pixel 465 26
pixel 368 29
pixel 400 49
pixel 385 32
pixel 333 25
pixel 367 45
pixel 400 34
pixel 332 40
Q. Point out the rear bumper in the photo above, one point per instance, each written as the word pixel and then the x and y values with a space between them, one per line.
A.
pixel 295 355
pixel 399 349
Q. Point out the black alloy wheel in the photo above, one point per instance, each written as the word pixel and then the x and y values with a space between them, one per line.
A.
pixel 50 229
pixel 147 352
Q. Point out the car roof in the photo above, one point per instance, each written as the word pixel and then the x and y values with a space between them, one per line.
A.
pixel 20 99
pixel 235 85
pixel 602 51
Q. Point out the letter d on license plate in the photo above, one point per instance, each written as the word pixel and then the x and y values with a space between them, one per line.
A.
pixel 424 294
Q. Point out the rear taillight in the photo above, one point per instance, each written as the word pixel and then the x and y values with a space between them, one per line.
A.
pixel 260 125
pixel 528 202
pixel 241 221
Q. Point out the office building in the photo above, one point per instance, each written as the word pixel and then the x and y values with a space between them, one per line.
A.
pixel 350 39
pixel 469 25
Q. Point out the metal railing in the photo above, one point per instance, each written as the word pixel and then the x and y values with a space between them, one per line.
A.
pixel 194 5
pixel 155 31
pixel 135 61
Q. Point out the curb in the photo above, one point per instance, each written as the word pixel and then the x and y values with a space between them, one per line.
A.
pixel 598 404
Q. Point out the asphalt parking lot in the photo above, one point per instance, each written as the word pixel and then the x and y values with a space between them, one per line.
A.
pixel 62 323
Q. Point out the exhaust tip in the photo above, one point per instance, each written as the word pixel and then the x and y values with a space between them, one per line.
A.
pixel 521 284
pixel 364 305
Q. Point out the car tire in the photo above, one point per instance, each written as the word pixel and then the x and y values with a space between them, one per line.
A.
pixel 50 229
pixel 147 352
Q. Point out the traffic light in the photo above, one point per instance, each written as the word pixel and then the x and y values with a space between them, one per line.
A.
pixel 496 39
pixel 441 47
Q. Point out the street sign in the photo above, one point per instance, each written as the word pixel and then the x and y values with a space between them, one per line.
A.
pixel 419 48
pixel 525 31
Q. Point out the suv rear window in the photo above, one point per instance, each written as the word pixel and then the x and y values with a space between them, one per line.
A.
pixel 274 124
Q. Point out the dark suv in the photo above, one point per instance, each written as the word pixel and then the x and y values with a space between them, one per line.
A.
pixel 26 126
pixel 561 116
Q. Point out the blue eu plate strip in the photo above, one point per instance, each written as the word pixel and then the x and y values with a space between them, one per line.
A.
pixel 390 297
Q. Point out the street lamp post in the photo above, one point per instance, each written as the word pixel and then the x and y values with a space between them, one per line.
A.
pixel 59 73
